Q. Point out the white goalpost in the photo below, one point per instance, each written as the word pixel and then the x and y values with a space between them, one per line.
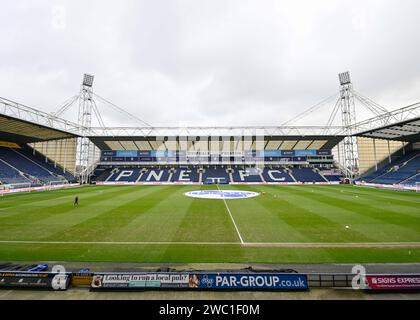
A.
pixel 24 186
pixel 417 186
pixel 21 185
pixel 51 184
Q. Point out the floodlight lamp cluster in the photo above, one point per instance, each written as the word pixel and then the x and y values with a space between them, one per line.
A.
pixel 344 78
pixel 88 80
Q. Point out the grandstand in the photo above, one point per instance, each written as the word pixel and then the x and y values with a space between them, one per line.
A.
pixel 401 171
pixel 209 175
pixel 211 163
pixel 21 164
pixel 138 186
pixel 401 167
pixel 31 167
pixel 39 149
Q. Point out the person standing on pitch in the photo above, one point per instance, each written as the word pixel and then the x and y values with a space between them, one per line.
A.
pixel 76 201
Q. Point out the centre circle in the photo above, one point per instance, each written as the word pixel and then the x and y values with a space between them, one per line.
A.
pixel 221 194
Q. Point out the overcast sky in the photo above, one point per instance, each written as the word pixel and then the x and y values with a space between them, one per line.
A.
pixel 195 62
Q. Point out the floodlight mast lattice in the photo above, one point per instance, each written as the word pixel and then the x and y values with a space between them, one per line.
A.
pixel 348 117
pixel 86 107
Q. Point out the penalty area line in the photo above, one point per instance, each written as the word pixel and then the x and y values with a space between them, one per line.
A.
pixel 231 217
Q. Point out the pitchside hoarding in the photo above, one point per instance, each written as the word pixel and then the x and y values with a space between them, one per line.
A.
pixel 34 280
pixel 200 281
pixel 393 282
pixel 41 188
pixel 247 281
pixel 140 281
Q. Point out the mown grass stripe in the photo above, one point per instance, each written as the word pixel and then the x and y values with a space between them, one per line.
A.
pixel 263 220
pixel 107 217
pixel 330 219
pixel 376 222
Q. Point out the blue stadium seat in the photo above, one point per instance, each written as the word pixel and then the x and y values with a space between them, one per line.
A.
pixel 210 175
pixel 156 175
pixel 214 174
pixel 276 174
pixel 247 175
pixel 307 175
pixel 402 170
pixel 22 166
pixel 333 178
pixel 185 174
pixel 9 175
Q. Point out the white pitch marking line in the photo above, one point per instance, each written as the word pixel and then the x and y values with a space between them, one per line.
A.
pixel 335 245
pixel 231 217
pixel 116 242
pixel 247 244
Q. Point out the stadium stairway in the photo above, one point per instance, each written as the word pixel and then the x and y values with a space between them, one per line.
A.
pixel 100 173
pixel 41 160
pixel 290 173
pixel 412 181
pixel 215 175
pixel 320 173
pixel 41 171
pixel 11 175
pixel 334 178
pixel 331 175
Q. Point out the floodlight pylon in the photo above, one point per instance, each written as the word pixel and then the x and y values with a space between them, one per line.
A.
pixel 86 107
pixel 349 152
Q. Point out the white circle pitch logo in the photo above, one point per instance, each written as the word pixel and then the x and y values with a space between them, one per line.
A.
pixel 221 194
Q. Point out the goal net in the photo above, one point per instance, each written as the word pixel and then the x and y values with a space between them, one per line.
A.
pixel 51 184
pixel 21 185
pixel 417 186
pixel 24 186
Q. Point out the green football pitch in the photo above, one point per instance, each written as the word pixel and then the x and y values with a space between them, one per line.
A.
pixel 285 224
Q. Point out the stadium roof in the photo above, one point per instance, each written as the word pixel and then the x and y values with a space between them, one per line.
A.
pixel 235 131
pixel 18 111
pixel 408 130
pixel 269 142
pixel 22 131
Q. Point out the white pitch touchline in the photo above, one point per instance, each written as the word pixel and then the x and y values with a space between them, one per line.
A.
pixel 231 217
pixel 335 244
pixel 117 242
pixel 246 244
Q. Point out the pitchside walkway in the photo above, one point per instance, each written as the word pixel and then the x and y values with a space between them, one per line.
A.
pixel 313 294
